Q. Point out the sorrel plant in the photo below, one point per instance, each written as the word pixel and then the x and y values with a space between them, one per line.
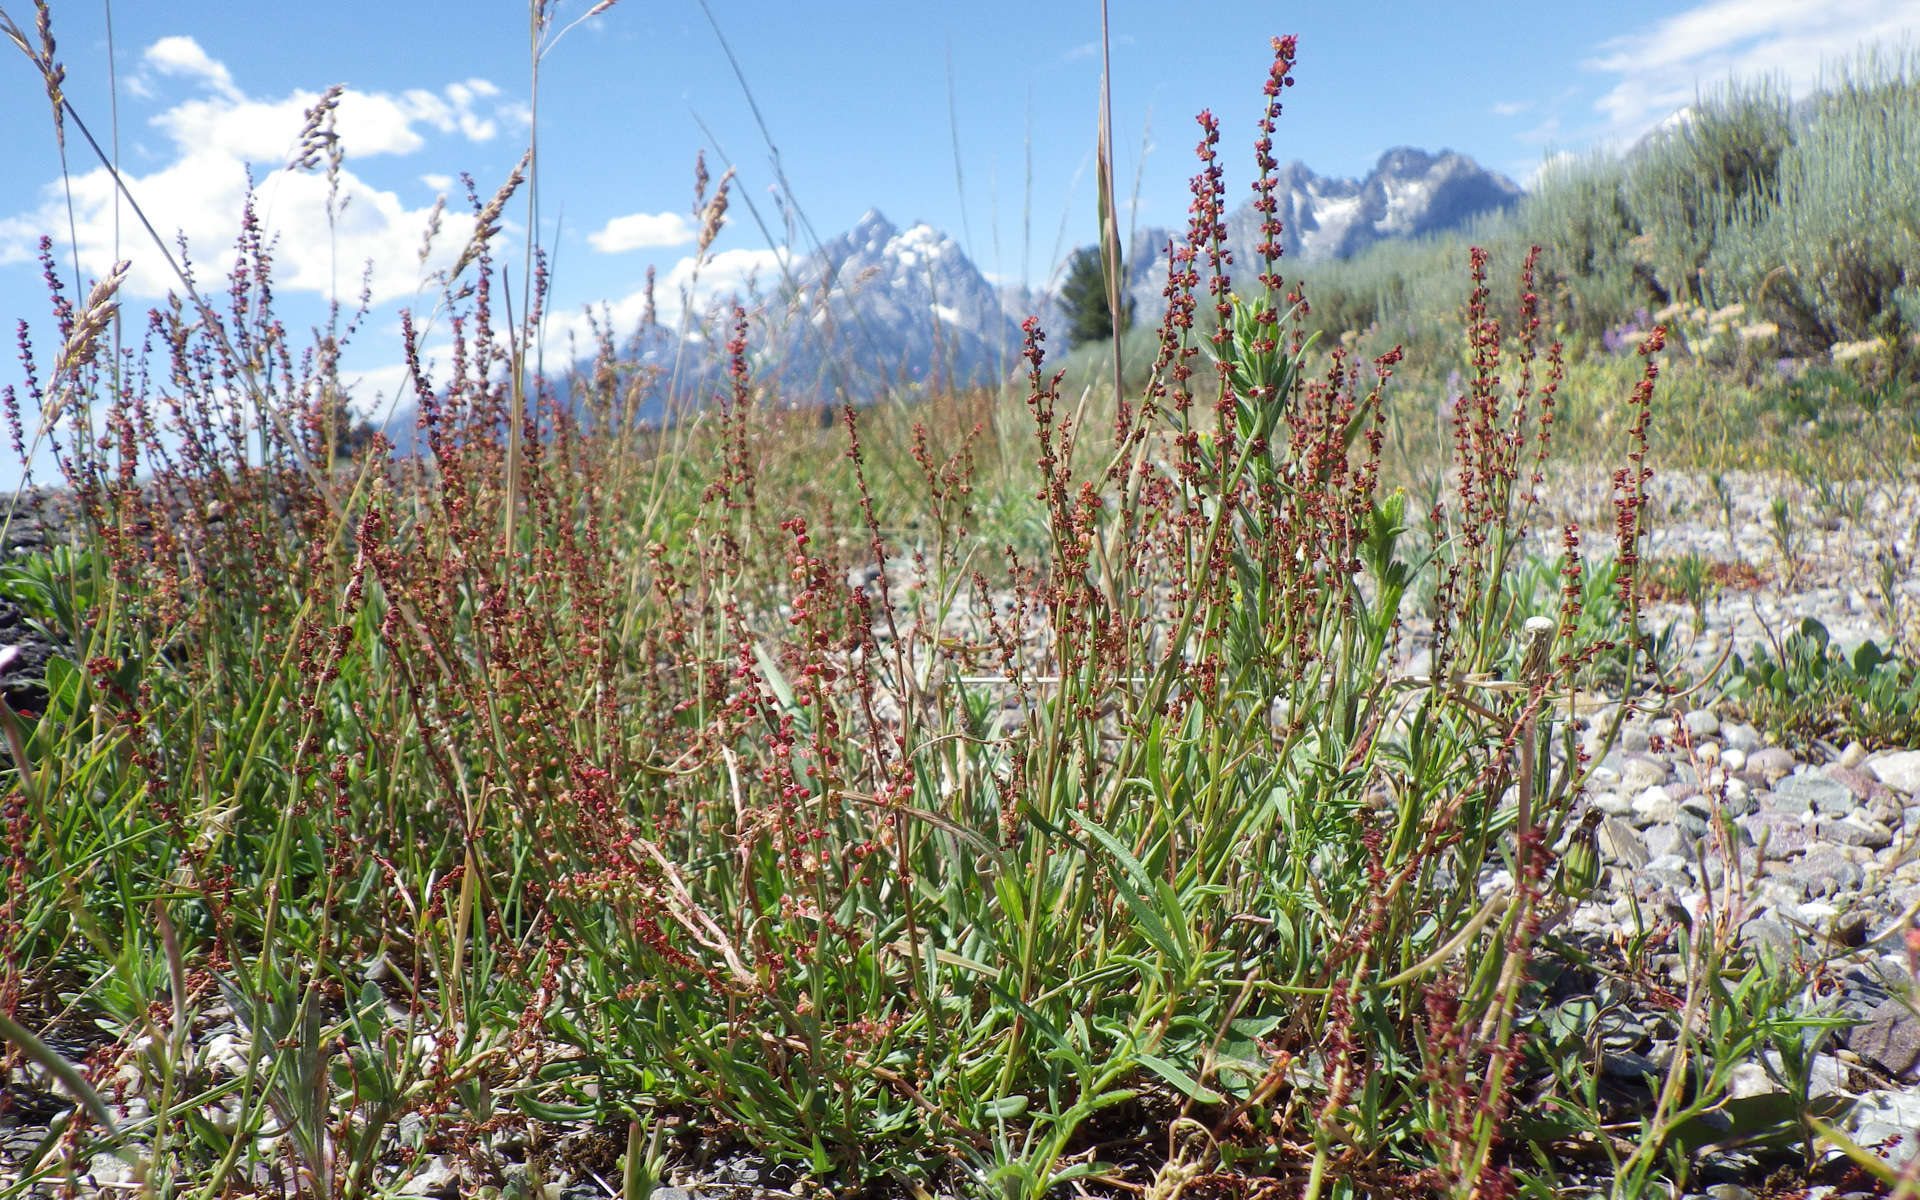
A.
pixel 574 770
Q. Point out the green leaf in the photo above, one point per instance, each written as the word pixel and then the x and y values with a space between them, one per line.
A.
pixel 1190 1087
pixel 1130 885
pixel 1047 1029
pixel 1866 657
pixel 1136 873
pixel 1004 1109
pixel 775 679
pixel 63 683
pixel 557 1111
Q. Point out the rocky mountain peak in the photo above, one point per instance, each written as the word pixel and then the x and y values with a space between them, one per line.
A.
pixel 871 231
pixel 879 308
pixel 1408 160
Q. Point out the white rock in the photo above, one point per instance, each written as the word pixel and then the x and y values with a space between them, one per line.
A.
pixel 224 1114
pixel 1899 770
pixel 226 1052
pixel 1655 805
pixel 1612 803
pixel 434 1177
pixel 1897 1108
pixel 1734 758
pixel 1818 913
pixel 1643 773
pixel 1701 723
pixel 1750 1079
pixel 111 1173
pixel 1853 755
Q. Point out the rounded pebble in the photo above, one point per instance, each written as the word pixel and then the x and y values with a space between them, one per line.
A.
pixel 1701 722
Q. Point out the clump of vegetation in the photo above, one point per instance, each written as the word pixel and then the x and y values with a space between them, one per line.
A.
pixel 1806 689
pixel 1806 261
pixel 1746 201
pixel 579 771
pixel 1084 303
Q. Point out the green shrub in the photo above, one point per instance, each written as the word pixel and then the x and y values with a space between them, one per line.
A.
pixel 1083 299
pixel 1833 259
pixel 1687 183
pixel 1578 214
pixel 1807 689
pixel 1814 224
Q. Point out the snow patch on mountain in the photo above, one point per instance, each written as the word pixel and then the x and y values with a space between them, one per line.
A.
pixel 879 309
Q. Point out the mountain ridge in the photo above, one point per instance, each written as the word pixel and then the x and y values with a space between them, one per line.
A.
pixel 879 310
pixel 1408 193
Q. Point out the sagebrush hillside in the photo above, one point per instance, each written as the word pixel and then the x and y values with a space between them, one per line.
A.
pixel 1808 215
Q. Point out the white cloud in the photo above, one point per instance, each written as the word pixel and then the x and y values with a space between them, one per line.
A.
pixel 457 111
pixel 728 273
pixel 369 123
pixel 183 56
pixel 201 197
pixel 724 276
pixel 640 230
pixel 1664 67
pixel 200 190
pixel 515 113
pixel 1545 133
pixel 437 181
pixel 1092 49
pixel 379 392
pixel 1511 108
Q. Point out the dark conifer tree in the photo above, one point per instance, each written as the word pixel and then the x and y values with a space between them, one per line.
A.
pixel 1083 298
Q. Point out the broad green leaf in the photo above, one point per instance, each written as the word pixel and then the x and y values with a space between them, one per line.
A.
pixel 1005 1108
pixel 1190 1087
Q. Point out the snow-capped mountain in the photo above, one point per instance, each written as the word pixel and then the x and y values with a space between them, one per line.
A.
pixel 1409 193
pixel 878 308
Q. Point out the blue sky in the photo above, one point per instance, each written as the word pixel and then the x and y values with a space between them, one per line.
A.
pixel 864 100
